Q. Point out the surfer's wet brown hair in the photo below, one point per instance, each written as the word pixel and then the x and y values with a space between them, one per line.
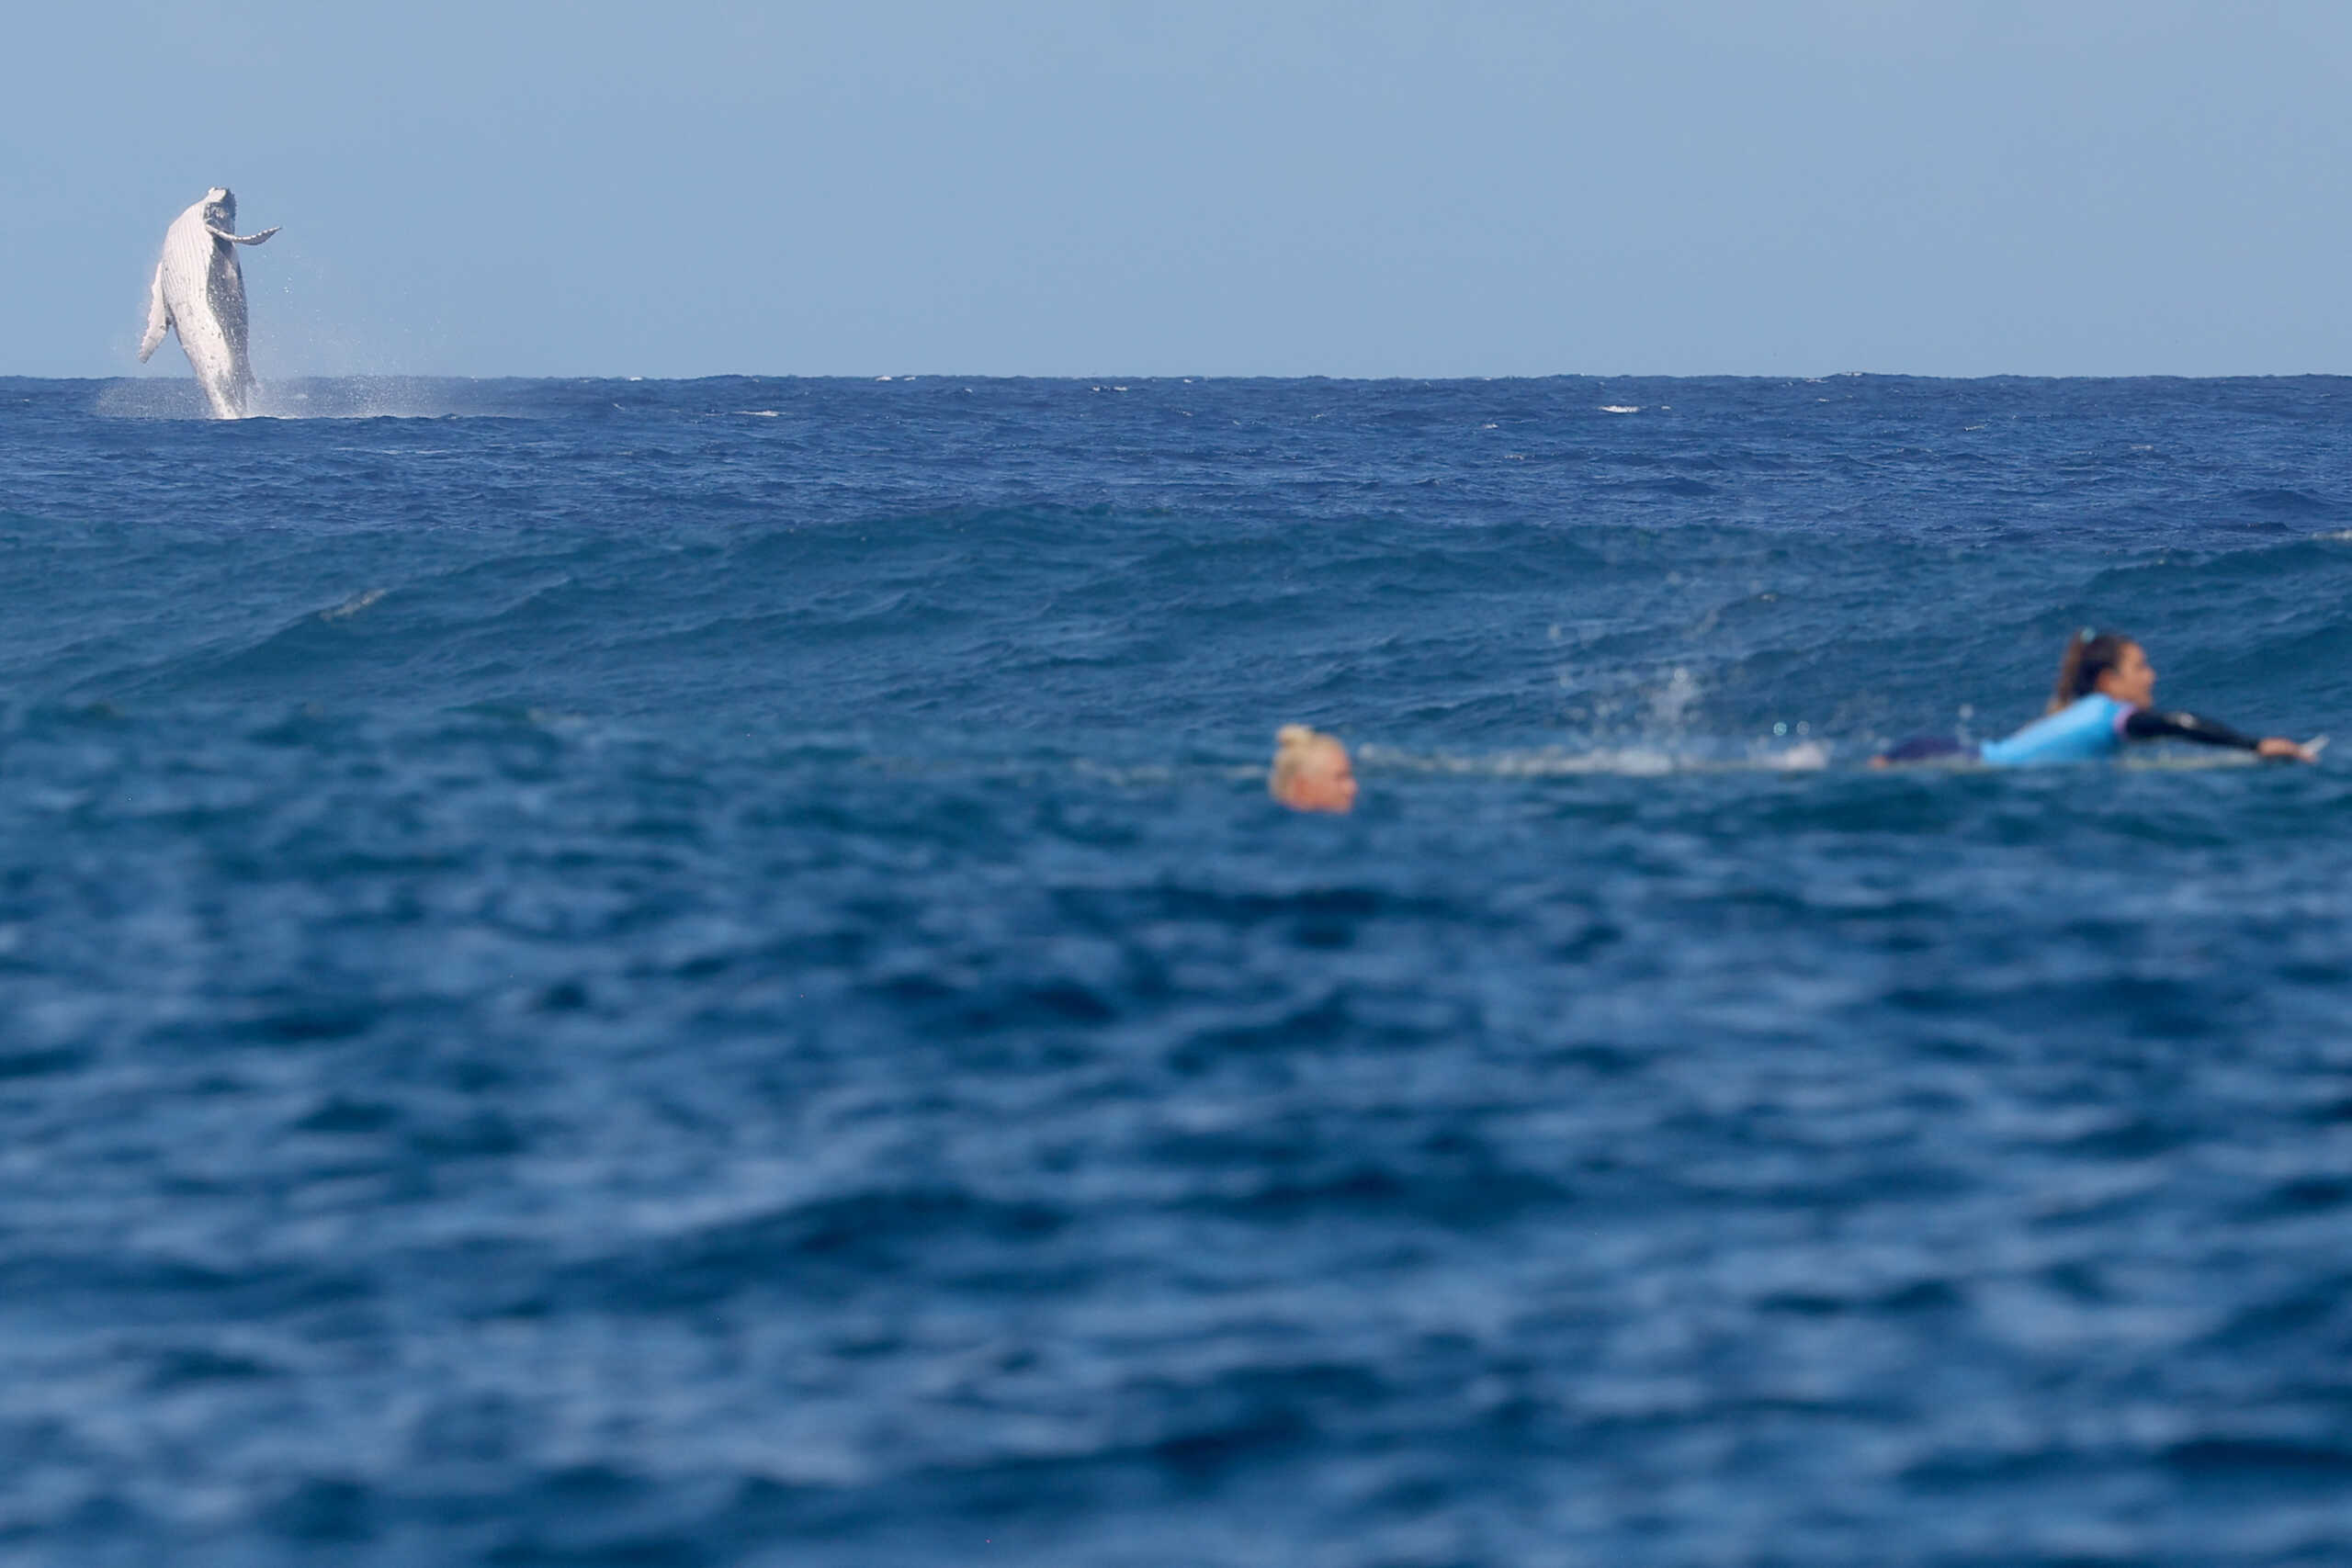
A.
pixel 2089 654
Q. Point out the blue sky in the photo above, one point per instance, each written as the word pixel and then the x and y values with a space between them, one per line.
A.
pixel 1367 188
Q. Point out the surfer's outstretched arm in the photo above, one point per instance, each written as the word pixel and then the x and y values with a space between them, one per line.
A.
pixel 159 316
pixel 2148 723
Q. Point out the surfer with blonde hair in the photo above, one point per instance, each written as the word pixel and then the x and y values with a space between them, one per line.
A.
pixel 1311 770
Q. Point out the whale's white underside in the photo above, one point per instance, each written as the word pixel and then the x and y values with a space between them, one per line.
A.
pixel 200 292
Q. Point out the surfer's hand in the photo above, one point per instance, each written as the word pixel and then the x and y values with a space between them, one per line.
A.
pixel 2291 751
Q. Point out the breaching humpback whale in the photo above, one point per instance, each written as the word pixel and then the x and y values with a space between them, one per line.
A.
pixel 200 290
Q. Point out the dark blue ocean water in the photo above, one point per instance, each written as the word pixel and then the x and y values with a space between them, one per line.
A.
pixel 701 973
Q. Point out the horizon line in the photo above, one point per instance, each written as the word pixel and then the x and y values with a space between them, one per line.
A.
pixel 1192 377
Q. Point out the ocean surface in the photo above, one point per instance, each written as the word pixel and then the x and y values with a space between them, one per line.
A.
pixel 702 973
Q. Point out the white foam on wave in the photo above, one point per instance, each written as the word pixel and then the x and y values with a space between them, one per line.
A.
pixel 354 399
pixel 1639 760
pixel 343 397
pixel 1621 408
pixel 2187 760
pixel 151 397
pixel 1151 774
pixel 352 605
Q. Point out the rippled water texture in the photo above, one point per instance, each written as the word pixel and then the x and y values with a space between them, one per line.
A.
pixel 701 973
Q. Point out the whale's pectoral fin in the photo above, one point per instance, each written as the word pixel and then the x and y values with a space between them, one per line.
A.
pixel 159 316
pixel 245 239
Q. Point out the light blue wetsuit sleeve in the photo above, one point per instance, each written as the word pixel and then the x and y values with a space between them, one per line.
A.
pixel 2085 730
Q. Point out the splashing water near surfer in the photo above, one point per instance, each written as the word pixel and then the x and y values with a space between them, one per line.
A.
pixel 2103 702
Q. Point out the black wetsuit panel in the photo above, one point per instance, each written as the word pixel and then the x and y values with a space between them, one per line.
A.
pixel 2147 724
